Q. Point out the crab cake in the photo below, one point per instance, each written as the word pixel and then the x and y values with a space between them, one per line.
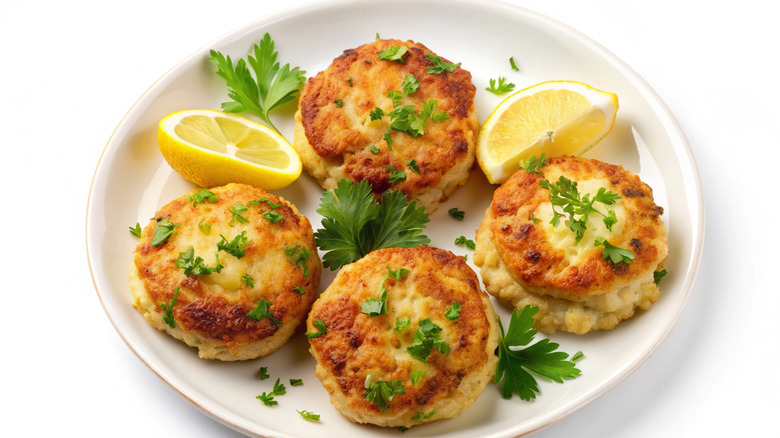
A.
pixel 336 137
pixel 429 360
pixel 236 276
pixel 527 261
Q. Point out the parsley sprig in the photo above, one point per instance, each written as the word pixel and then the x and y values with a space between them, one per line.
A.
pixel 263 310
pixel 564 194
pixel 381 393
pixel 273 86
pixel 440 66
pixel 268 397
pixel 162 231
pixel 201 196
pixel 500 87
pixel 168 309
pixel 354 224
pixel 193 265
pixel 517 366
pixel 376 307
pixel 235 247
pixel 426 338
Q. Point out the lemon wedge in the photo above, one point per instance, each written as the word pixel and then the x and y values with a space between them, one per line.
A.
pixel 212 148
pixel 556 117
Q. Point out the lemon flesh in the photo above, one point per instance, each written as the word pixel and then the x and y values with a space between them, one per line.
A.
pixel 557 118
pixel 212 148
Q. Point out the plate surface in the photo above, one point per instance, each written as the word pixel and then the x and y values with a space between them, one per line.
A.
pixel 132 181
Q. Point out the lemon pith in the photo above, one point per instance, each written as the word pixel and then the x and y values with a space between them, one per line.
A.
pixel 211 148
pixel 556 117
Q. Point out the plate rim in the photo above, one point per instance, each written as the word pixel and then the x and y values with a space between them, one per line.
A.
pixel 681 148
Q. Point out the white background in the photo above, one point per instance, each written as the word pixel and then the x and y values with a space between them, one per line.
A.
pixel 70 70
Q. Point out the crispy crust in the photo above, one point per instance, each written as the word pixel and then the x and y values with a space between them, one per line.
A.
pixel 211 310
pixel 357 345
pixel 521 265
pixel 333 141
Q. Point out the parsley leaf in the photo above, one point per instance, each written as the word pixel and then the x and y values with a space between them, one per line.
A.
pixel 321 327
pixel 402 324
pixel 236 247
pixel 410 84
pixel 564 194
pixel 299 290
pixel 311 416
pixel 265 199
pixel 440 66
pixel 248 280
pixel 373 149
pixel 456 214
pixel 534 164
pixel 298 255
pixel 237 210
pixel 393 53
pixel 468 243
pixel 272 216
pixel 136 230
pixel 381 393
pixel 268 398
pixel 388 139
pixel 540 358
pixel 339 103
pixel 502 87
pixel 262 310
pixel 453 311
pixel 162 231
pixel 420 416
pixel 395 175
pixel 273 87
pixel 376 114
pixel 512 63
pixel 168 309
pixel 416 375
pixel 376 307
pixel 658 275
pixel 427 337
pixel 296 382
pixel 204 227
pixel 194 265
pixel 614 253
pixel 412 164
pixel 263 373
pixel 201 196
pixel 354 224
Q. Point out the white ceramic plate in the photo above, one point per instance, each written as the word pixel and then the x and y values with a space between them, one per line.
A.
pixel 132 181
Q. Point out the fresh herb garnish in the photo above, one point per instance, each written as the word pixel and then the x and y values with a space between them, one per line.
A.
pixel 299 290
pixel 502 87
pixel 564 194
pixel 263 373
pixel 136 230
pixel 512 64
pixel 613 253
pixel 272 216
pixel 534 164
pixel 540 358
pixel 533 218
pixel 456 214
pixel 248 280
pixel 376 113
pixel 354 224
pixel 416 375
pixel 577 356
pixel 420 416
pixel 235 247
pixel 402 324
pixel 339 103
pixel 376 307
pixel 440 66
pixel 373 149
pixel 410 84
pixel 381 393
pixel 412 164
pixel 427 337
pixel 296 382
pixel 168 309
pixel 388 139
pixel 298 255
pixel 468 243
pixel 273 86
pixel 453 311
pixel 201 196
pixel 204 227
pixel 322 329
pixel 262 310
pixel 395 175
pixel 195 265
pixel 658 275
pixel 265 199
pixel 237 210
pixel 393 53
pixel 311 416
pixel 268 398
pixel 162 231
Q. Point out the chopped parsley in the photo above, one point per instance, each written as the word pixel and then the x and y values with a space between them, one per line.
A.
pixel 168 309
pixel 456 214
pixel 376 114
pixel 420 416
pixel 376 307
pixel 263 373
pixel 658 275
pixel 136 230
pixel 272 216
pixel 500 87
pixel 268 398
pixel 614 253
pixel 373 149
pixel 299 290
pixel 512 64
pixel 412 164
pixel 468 243
pixel 395 175
pixel 162 231
pixel 388 139
pixel 204 227
pixel 265 199
pixel 453 311
pixel 311 416
pixel 410 84
pixel 393 53
pixel 339 103
pixel 201 196
pixel 322 329
pixel 381 393
pixel 402 324
pixel 195 265
pixel 427 337
pixel 237 210
pixel 440 66
pixel 298 255
pixel 262 310
pixel 235 247
pixel 248 280
pixel 296 382
pixel 534 164
pixel 564 194
pixel 416 375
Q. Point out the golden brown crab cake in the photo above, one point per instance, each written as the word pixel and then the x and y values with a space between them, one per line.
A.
pixel 524 260
pixel 359 353
pixel 336 137
pixel 245 267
